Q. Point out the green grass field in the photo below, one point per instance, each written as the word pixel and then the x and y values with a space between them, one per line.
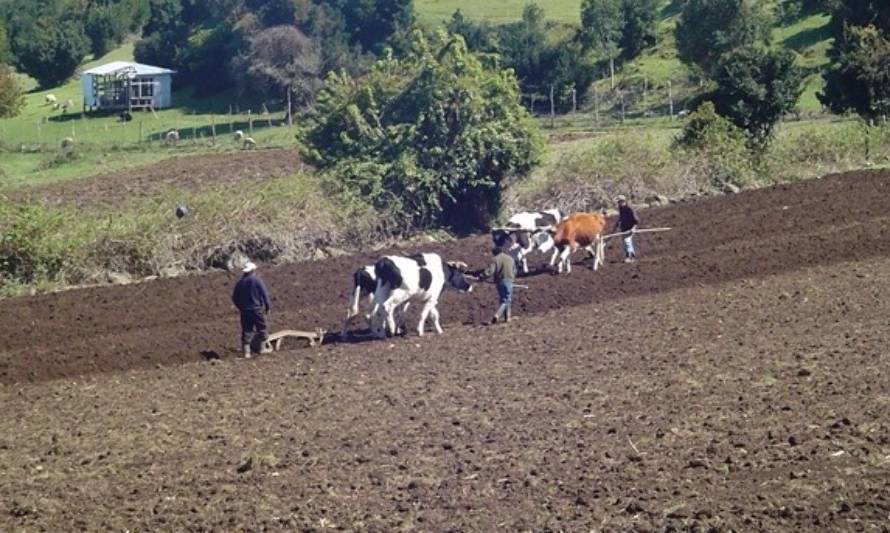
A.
pixel 495 11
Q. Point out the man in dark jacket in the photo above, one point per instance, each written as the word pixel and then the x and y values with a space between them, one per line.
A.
pixel 503 270
pixel 252 300
pixel 627 223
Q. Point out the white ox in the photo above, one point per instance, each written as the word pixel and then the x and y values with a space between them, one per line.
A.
pixel 421 278
pixel 526 232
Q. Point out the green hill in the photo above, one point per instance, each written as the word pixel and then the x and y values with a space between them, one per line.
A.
pixel 807 36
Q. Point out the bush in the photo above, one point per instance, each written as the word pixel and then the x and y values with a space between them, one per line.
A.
pixel 12 98
pixel 430 139
pixel 33 247
pixel 717 146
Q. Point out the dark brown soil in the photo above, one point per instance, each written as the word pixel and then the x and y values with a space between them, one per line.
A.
pixel 734 378
pixel 185 173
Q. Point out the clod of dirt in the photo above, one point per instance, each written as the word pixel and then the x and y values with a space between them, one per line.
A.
pixel 792 440
pixel 844 507
pixel 633 508
pixel 803 372
pixel 245 466
pixel 697 463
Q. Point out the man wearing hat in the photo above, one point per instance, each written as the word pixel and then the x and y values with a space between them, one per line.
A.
pixel 626 223
pixel 252 301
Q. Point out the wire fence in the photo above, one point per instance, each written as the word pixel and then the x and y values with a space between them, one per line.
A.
pixel 145 128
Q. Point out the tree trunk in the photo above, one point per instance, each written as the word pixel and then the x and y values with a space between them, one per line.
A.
pixel 612 71
pixel 290 115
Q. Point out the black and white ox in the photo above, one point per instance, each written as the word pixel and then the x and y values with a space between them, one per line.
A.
pixel 364 284
pixel 526 232
pixel 418 278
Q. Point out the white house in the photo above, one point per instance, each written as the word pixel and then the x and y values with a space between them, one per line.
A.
pixel 126 85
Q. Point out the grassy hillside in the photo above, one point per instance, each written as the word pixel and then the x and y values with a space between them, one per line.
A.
pixel 499 11
pixel 807 37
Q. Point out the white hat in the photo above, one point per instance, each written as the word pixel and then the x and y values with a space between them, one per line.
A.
pixel 621 198
pixel 249 266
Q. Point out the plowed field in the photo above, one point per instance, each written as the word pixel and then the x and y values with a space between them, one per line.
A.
pixel 734 378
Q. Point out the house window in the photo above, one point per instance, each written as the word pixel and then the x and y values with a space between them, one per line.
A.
pixel 148 86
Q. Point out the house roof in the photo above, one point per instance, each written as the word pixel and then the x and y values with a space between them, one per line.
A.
pixel 118 66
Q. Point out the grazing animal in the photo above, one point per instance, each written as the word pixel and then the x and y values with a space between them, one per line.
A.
pixel 527 232
pixel 579 230
pixel 67 104
pixel 50 99
pixel 239 135
pixel 125 116
pixel 67 142
pixel 171 137
pixel 249 144
pixel 364 284
pixel 421 278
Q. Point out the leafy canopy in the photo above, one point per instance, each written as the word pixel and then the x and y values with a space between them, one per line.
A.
pixel 430 138
pixel 859 76
pixel 708 29
pixel 755 88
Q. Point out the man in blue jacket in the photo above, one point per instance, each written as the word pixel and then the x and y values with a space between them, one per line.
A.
pixel 252 300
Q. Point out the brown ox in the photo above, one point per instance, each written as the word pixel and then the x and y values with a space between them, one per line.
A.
pixel 580 230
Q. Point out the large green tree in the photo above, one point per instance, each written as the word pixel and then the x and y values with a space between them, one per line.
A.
pixel 756 86
pixel 4 44
pixel 283 62
pixel 858 78
pixel 431 137
pixel 602 24
pixel 707 29
pixel 105 26
pixel 50 50
pixel 373 23
pixel 640 26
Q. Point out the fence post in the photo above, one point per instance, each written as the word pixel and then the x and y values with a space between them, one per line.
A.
pixel 290 116
pixel 574 100
pixel 596 107
pixel 552 109
pixel 140 133
pixel 213 127
pixel 39 136
pixel 671 99
pixel 250 122
pixel 621 95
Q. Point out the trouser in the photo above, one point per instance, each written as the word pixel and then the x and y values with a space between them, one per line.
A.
pixel 629 246
pixel 505 298
pixel 505 292
pixel 253 319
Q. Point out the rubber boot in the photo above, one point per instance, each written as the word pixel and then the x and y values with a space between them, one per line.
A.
pixel 245 349
pixel 497 316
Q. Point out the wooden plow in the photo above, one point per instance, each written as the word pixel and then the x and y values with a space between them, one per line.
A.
pixel 275 340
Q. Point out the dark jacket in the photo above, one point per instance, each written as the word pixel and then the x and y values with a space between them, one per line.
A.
pixel 627 218
pixel 502 268
pixel 250 294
